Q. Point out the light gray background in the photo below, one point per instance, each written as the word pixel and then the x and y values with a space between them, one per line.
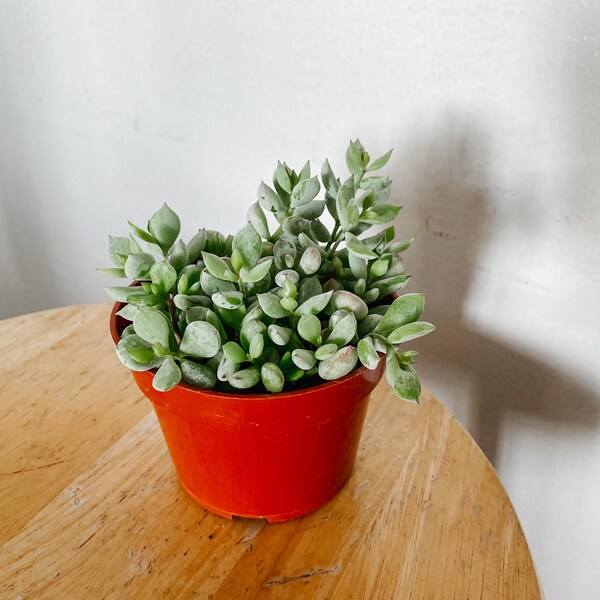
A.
pixel 107 109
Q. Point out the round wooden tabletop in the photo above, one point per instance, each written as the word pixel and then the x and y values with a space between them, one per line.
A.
pixel 90 506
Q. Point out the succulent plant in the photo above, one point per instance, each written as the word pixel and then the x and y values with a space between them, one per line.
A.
pixel 275 306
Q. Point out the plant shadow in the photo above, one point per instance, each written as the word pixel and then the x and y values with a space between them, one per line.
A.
pixel 458 218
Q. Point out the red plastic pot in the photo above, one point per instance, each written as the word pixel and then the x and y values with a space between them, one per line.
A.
pixel 274 456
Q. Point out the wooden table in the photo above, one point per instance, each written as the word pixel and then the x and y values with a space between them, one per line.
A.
pixel 90 506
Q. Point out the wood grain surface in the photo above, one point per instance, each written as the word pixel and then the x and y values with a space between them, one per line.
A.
pixel 90 506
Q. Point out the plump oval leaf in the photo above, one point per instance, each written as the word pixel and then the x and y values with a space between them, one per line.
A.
pixel 340 364
pixel 163 275
pixel 271 306
pixel 278 334
pixel 258 273
pixel 270 201
pixel 350 302
pixel 167 376
pixel 314 305
pixel 304 359
pixel 152 326
pixel 248 243
pixel 344 331
pixel 403 379
pixel 405 309
pixel 367 353
pixel 245 378
pixel 410 331
pixel 132 342
pixel 356 247
pixel 380 162
pixel 164 226
pixel 310 261
pixel 305 191
pixel 326 351
pixel 200 340
pixel 309 328
pixel 234 352
pixel 272 377
pixel 217 267
pixel 228 300
pixel 197 375
pixel 257 217
pixel 137 266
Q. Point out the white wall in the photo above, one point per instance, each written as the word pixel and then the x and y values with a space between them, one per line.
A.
pixel 107 109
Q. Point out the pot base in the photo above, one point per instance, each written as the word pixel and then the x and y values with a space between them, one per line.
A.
pixel 280 518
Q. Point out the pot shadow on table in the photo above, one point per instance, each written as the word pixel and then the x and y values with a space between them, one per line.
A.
pixel 454 215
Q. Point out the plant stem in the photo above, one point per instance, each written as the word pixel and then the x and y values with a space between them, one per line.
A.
pixel 173 315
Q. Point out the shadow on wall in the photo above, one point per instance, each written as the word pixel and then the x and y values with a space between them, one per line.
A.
pixel 448 185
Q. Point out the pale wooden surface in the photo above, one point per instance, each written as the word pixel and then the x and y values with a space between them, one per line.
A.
pixel 90 506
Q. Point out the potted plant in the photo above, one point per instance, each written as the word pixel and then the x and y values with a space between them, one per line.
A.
pixel 259 351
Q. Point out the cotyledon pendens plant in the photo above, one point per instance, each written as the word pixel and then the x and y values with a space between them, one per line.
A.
pixel 278 306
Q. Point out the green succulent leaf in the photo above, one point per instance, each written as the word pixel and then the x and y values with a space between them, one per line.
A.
pixel 142 355
pixel 248 243
pixel 228 300
pixel 326 351
pixel 164 226
pixel 332 185
pixel 310 261
pixel 258 273
pixel 218 268
pixel 164 275
pixel 344 331
pixel 380 162
pixel 226 368
pixel 279 335
pixel 367 354
pixel 211 284
pixel 345 194
pixel 257 217
pixel 272 377
pixel 304 359
pixel 410 331
pixel 403 379
pixel 128 312
pixel 309 328
pixel 356 247
pixel 143 235
pixel 270 201
pixel 285 275
pixel 167 376
pixel 282 178
pixel 197 375
pixel 234 352
pixel 245 378
pixel 405 309
pixel 311 210
pixel 118 249
pixel 378 215
pixel 152 326
pixel 137 266
pixel 308 288
pixel 340 364
pixel 113 272
pixel 249 329
pixel 178 256
pixel 315 304
pixel 305 191
pixel 400 246
pixel 350 302
pixel 200 340
pixel 354 159
pixel 196 245
pixel 271 306
pixel 131 343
